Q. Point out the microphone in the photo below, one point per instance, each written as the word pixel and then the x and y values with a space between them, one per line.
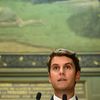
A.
pixel 64 97
pixel 38 96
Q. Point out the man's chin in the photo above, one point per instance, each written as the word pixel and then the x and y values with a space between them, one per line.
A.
pixel 62 88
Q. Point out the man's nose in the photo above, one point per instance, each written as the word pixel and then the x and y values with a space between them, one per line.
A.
pixel 61 70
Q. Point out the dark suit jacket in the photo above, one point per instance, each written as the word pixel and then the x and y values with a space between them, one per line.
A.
pixel 53 99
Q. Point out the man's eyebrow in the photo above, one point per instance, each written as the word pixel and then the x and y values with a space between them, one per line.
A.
pixel 69 63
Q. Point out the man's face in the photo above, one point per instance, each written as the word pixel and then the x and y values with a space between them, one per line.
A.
pixel 62 74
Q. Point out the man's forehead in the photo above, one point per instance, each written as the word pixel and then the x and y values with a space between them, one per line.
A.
pixel 61 58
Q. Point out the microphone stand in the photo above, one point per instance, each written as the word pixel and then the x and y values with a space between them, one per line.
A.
pixel 64 97
pixel 38 96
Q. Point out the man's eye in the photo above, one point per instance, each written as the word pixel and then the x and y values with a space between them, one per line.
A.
pixel 55 68
pixel 67 67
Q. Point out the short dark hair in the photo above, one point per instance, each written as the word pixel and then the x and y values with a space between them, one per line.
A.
pixel 67 53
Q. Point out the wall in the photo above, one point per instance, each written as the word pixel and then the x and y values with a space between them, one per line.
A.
pixel 23 76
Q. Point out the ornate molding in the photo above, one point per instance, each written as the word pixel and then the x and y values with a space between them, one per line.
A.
pixel 35 64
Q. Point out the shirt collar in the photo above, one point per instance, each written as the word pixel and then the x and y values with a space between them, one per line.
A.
pixel 57 98
pixel 73 98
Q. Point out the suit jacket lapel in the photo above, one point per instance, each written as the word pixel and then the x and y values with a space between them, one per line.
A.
pixel 76 98
pixel 52 98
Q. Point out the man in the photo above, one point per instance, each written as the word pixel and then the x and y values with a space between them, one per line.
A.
pixel 64 72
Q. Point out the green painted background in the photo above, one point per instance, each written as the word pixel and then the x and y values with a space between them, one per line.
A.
pixel 40 27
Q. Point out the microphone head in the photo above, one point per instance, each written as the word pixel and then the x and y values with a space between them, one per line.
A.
pixel 38 96
pixel 64 97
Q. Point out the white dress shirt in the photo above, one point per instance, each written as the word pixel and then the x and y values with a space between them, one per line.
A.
pixel 57 98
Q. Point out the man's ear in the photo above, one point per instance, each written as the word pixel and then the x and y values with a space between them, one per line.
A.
pixel 49 77
pixel 77 76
